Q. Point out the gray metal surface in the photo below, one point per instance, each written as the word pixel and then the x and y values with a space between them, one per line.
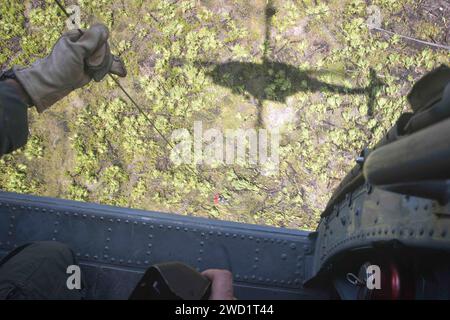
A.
pixel 115 245
pixel 369 217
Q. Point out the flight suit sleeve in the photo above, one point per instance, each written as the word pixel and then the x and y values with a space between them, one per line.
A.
pixel 13 119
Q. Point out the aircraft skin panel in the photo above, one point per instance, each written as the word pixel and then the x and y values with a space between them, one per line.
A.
pixel 115 245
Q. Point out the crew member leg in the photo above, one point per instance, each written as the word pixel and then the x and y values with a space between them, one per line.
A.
pixel 38 271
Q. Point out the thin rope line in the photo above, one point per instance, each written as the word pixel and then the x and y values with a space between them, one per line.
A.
pixel 140 110
pixel 123 89
pixel 437 45
pixel 116 81
pixel 62 8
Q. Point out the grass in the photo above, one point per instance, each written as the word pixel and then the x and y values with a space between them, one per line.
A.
pixel 95 146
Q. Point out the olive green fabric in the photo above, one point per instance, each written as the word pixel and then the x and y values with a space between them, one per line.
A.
pixel 13 119
pixel 429 88
pixel 75 59
pixel 38 271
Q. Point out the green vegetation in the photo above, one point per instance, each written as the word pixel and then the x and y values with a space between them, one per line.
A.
pixel 95 146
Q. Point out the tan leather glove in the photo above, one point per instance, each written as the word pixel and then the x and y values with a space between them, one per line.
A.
pixel 75 60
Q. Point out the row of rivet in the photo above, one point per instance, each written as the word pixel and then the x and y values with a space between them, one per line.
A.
pixel 375 233
pixel 218 233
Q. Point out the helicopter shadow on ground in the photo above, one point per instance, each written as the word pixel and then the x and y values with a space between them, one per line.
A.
pixel 275 81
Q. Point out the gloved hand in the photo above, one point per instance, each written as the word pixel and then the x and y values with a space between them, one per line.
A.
pixel 75 60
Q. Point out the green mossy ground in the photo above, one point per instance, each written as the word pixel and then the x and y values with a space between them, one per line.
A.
pixel 95 146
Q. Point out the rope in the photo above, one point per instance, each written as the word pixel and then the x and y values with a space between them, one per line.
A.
pixel 116 81
pixel 141 111
pixel 436 45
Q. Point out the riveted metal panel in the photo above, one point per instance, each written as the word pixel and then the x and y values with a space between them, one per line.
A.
pixel 85 232
pixel 5 225
pixel 116 245
pixel 369 215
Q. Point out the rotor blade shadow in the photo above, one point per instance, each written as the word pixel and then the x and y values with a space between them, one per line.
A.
pixel 274 81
